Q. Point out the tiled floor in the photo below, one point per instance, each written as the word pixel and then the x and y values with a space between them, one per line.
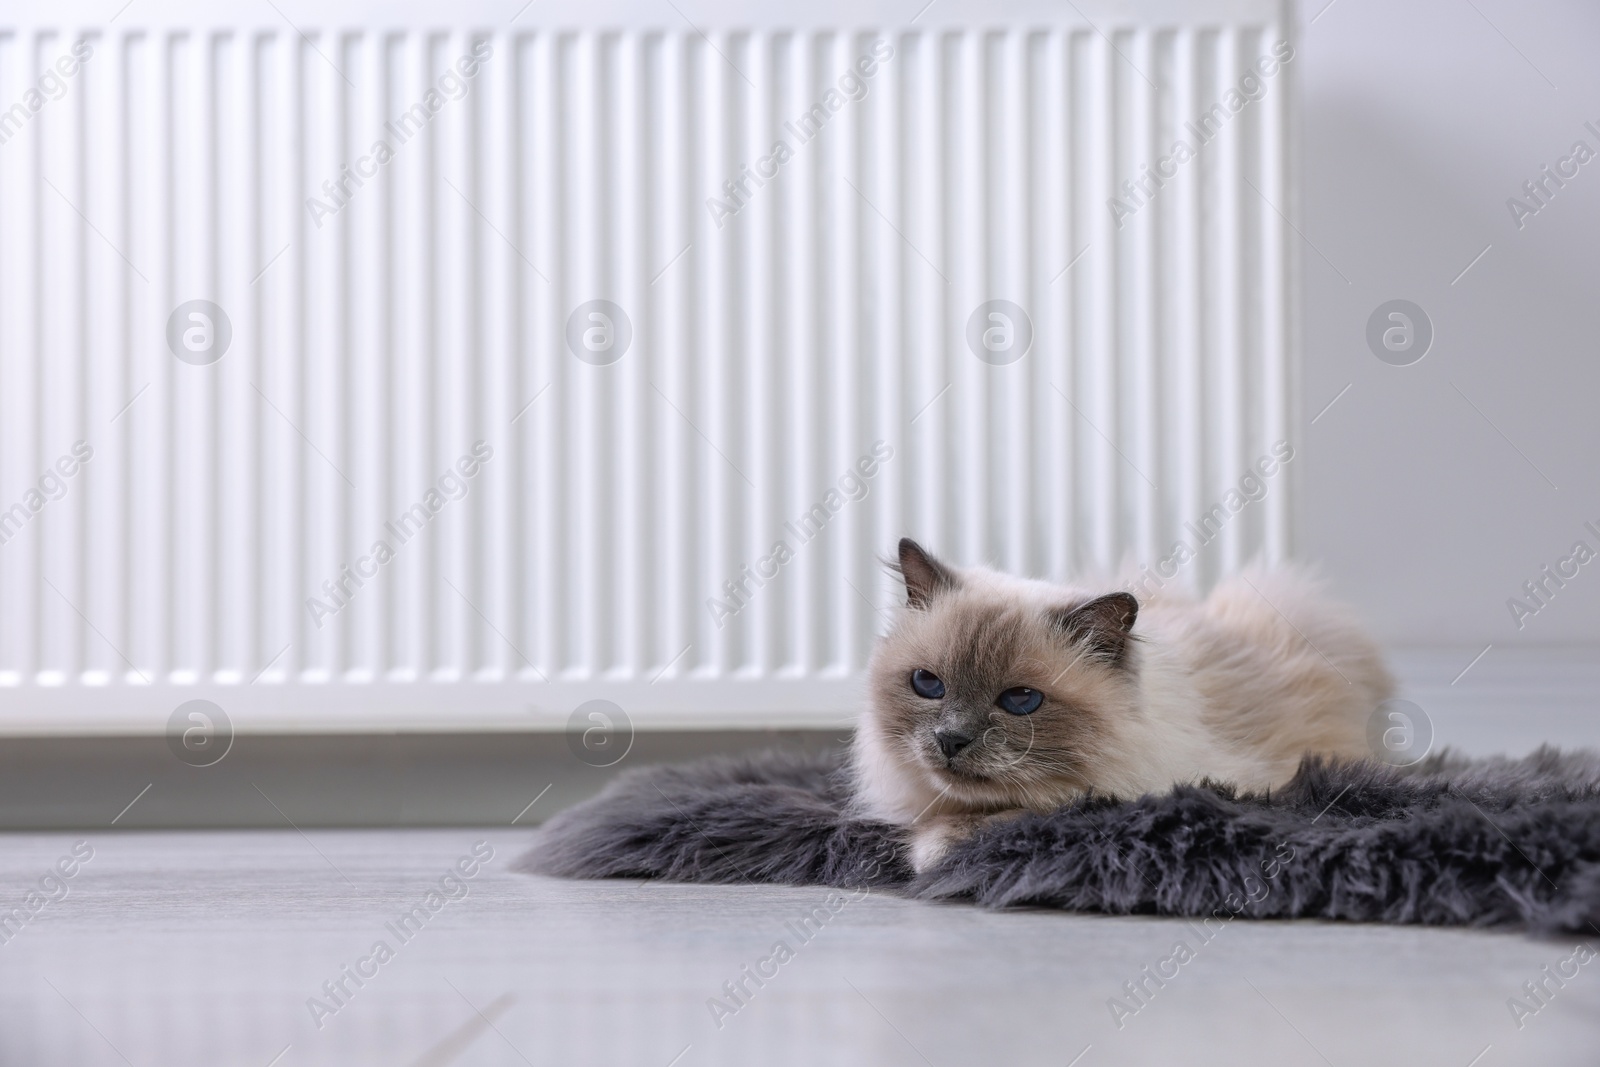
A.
pixel 204 948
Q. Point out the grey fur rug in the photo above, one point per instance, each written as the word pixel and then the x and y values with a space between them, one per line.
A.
pixel 1497 842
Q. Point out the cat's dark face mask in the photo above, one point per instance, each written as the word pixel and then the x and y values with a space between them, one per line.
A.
pixel 1000 702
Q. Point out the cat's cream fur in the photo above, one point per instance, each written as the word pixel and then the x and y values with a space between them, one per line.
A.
pixel 1138 695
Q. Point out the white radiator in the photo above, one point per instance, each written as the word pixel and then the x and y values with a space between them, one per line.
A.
pixel 673 344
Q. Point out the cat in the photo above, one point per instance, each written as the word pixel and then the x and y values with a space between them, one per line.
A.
pixel 992 695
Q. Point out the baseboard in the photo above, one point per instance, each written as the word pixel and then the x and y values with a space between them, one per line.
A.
pixel 1504 700
pixel 324 780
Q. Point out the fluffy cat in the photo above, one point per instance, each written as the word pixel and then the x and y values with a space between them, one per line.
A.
pixel 993 695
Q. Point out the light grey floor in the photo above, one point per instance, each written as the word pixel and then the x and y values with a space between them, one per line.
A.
pixel 203 947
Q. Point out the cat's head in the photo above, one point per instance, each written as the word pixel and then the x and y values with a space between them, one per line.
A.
pixel 997 691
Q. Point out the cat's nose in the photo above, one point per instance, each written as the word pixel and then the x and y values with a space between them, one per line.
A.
pixel 951 742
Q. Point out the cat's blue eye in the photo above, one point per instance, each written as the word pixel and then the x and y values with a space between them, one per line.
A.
pixel 927 684
pixel 1020 700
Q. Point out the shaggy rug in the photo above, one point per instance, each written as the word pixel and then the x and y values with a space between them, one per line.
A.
pixel 1497 842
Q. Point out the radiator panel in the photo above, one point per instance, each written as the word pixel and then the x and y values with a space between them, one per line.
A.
pixel 386 315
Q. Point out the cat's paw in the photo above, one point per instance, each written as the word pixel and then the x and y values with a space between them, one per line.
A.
pixel 930 841
pixel 934 837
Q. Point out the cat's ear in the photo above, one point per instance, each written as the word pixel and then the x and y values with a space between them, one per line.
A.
pixel 925 576
pixel 1105 623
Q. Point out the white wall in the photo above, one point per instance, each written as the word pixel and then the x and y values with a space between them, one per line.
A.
pixel 1420 120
